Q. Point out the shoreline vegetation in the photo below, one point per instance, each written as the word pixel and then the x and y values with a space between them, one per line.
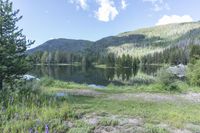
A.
pixel 95 65
pixel 169 103
pixel 166 105
pixel 70 107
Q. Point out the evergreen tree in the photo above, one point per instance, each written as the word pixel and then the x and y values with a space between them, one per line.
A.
pixel 13 44
pixel 49 58
pixel 123 60
pixel 110 60
pixel 86 62
pixel 36 57
pixel 174 55
pixel 44 57
pixel 57 57
pixel 194 53
pixel 119 62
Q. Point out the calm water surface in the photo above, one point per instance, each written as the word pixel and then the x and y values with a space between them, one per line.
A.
pixel 98 76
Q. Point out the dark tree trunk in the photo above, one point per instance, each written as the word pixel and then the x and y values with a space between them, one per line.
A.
pixel 1 84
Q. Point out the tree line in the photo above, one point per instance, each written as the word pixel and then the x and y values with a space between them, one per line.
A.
pixel 122 61
pixel 173 55
pixel 59 57
pixel 54 57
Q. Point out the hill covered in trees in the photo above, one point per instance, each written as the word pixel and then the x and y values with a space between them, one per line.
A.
pixel 62 45
pixel 135 43
pixel 154 45
pixel 149 40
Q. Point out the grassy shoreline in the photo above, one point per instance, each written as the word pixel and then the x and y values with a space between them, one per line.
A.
pixel 95 65
pixel 176 115
pixel 46 108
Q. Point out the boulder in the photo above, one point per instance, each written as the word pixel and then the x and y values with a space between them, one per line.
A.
pixel 179 70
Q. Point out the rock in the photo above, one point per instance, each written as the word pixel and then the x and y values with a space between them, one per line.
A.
pixel 29 77
pixel 69 124
pixel 96 86
pixel 179 71
pixel 92 121
pixel 109 129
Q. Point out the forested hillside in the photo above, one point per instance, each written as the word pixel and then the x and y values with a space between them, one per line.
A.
pixel 62 45
pixel 160 44
pixel 149 40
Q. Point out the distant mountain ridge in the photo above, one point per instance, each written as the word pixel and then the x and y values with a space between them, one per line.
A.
pixel 135 43
pixel 64 45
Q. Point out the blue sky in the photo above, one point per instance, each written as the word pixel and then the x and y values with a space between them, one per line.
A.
pixel 94 19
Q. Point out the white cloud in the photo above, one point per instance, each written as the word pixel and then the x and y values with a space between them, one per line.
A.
pixel 107 10
pixel 52 38
pixel 123 4
pixel 174 19
pixel 80 4
pixel 158 5
pixel 83 3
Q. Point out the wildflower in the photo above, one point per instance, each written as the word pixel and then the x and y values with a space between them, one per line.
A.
pixel 46 129
pixel 30 130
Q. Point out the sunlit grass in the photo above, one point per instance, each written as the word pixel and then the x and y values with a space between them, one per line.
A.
pixel 32 110
pixel 174 114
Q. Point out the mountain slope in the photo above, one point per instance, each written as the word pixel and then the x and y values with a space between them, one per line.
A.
pixel 65 45
pixel 135 43
pixel 149 40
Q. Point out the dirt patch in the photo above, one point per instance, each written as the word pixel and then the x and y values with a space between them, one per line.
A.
pixel 107 123
pixel 144 96
pixel 193 127
pixel 127 124
pixel 194 97
pixel 152 97
pixel 158 97
pixel 80 92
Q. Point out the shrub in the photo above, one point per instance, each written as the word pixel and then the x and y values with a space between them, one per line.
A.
pixel 164 77
pixel 173 87
pixel 47 81
pixel 167 80
pixel 193 73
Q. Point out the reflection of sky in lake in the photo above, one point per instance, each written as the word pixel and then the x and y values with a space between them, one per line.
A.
pixel 96 76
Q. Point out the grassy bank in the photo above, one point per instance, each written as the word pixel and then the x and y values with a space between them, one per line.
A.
pixel 174 114
pixel 29 109
pixel 156 87
pixel 36 105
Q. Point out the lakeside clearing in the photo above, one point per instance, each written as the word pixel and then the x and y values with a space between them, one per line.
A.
pixel 130 109
pixel 141 81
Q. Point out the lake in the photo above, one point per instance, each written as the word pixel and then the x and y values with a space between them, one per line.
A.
pixel 97 76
